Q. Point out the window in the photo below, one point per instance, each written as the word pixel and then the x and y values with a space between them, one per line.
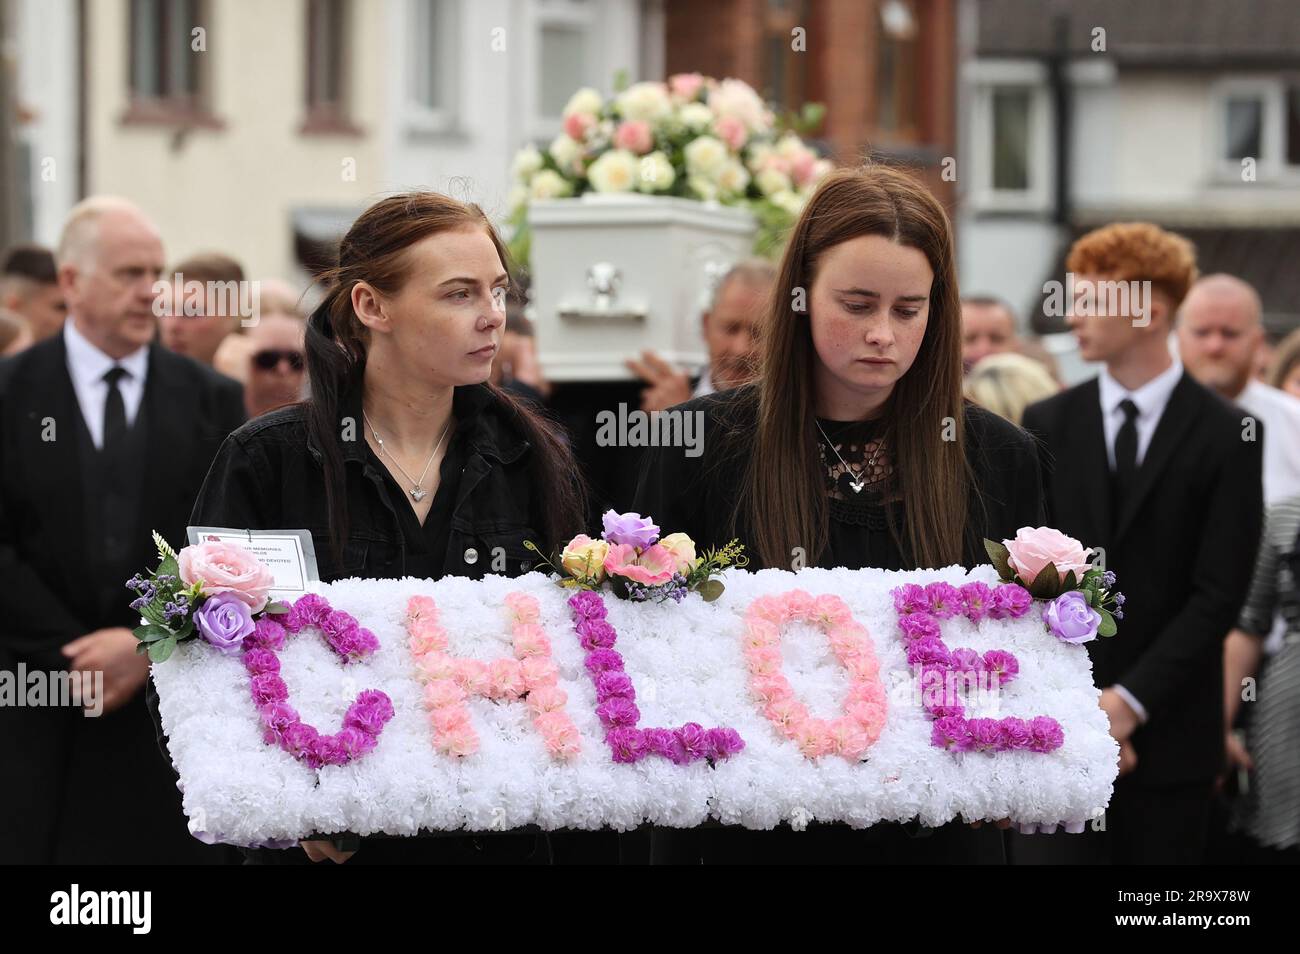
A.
pixel 432 89
pixel 1010 140
pixel 1257 118
pixel 785 74
pixel 896 79
pixel 328 67
pixel 165 74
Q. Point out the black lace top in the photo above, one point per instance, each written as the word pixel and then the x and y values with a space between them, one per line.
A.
pixel 697 495
pixel 859 472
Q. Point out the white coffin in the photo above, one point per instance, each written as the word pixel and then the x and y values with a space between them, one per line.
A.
pixel 614 275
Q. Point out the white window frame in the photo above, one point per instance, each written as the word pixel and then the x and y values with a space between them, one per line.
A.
pixel 984 78
pixel 570 13
pixel 1271 164
pixel 418 118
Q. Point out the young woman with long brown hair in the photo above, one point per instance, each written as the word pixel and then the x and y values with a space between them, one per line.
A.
pixel 404 461
pixel 854 446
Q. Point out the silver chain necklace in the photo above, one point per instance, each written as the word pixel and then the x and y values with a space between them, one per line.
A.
pixel 861 481
pixel 417 491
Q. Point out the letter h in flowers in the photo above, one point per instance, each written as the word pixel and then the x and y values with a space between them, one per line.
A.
pixel 450 680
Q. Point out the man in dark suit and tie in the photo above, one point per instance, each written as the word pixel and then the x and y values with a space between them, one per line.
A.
pixel 1165 477
pixel 105 436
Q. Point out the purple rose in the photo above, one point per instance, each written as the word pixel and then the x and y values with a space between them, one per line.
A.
pixel 611 684
pixel 224 620
pixel 626 745
pixel 629 528
pixel 618 712
pixel 1071 619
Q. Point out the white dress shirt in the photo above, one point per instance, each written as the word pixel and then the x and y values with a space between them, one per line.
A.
pixel 1279 412
pixel 704 385
pixel 87 366
pixel 1151 400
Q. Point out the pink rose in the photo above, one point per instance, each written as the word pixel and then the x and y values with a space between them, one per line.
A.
pixel 651 568
pixel 227 568
pixel 803 167
pixel 686 85
pixel 731 131
pixel 577 125
pixel 635 136
pixel 1035 547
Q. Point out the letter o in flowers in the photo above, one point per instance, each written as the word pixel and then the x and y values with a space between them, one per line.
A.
pixel 848 736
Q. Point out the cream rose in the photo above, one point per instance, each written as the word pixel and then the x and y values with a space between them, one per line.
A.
pixel 585 557
pixel 614 171
pixel 682 549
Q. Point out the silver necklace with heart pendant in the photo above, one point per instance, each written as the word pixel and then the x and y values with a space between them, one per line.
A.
pixel 417 490
pixel 861 480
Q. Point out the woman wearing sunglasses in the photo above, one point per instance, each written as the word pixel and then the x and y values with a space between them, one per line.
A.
pixel 276 365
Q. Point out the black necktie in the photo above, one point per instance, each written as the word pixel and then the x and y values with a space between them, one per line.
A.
pixel 1126 452
pixel 114 410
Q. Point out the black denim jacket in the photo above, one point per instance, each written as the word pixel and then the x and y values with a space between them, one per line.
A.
pixel 268 475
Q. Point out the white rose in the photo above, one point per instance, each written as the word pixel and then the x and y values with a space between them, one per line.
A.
pixel 585 100
pixel 527 161
pixel 705 156
pixel 788 201
pixel 704 188
pixel 655 173
pixel 614 171
pixel 648 101
pixel 733 178
pixel 772 181
pixel 758 155
pixel 517 198
pixel 737 98
pixel 549 184
pixel 695 116
pixel 565 151
pixel 790 146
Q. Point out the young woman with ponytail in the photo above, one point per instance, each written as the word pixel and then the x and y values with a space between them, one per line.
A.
pixel 404 461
